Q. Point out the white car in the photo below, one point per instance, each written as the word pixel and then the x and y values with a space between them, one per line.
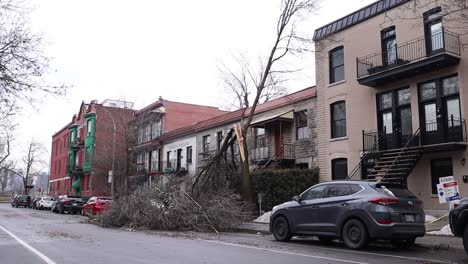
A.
pixel 45 203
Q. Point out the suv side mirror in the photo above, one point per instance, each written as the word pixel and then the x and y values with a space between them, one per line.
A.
pixel 296 198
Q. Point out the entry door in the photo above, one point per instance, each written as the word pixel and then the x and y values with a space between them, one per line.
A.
pixel 179 159
pixel 430 124
pixel 440 111
pixel 453 119
pixel 389 46
pixel 279 141
pixel 395 124
pixel 433 33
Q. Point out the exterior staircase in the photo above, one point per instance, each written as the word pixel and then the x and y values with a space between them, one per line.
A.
pixel 394 165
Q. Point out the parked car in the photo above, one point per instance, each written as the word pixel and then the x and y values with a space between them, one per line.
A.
pixel 45 202
pixel 21 200
pixel 458 218
pixel 96 205
pixel 354 211
pixel 34 201
pixel 68 203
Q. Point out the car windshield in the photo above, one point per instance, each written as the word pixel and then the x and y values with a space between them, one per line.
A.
pixel 394 190
pixel 48 199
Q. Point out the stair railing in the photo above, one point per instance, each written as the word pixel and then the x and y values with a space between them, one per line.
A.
pixel 415 135
pixel 369 152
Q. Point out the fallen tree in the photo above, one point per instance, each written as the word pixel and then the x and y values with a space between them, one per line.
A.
pixel 170 208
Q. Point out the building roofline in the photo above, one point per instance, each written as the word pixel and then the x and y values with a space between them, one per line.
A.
pixel 62 129
pixel 337 25
pixel 184 131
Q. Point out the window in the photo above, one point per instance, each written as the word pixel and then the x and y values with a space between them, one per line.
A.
pixel 89 182
pixel 338 119
pixel 89 127
pixel 206 143
pixel 440 168
pixel 140 134
pixel 72 136
pixel 337 65
pixel 156 129
pixel 189 155
pixel 302 130
pixel 219 138
pixel 313 193
pixel 139 162
pixel 260 138
pixel 145 162
pixel 337 190
pixel 433 30
pixel 339 169
pixel 154 160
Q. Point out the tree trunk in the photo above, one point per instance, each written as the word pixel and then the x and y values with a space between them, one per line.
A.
pixel 245 172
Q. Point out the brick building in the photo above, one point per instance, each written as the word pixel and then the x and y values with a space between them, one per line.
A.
pixel 150 124
pixel 82 150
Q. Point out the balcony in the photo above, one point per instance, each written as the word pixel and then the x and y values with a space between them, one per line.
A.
pixel 77 143
pixel 418 56
pixel 286 152
pixel 435 136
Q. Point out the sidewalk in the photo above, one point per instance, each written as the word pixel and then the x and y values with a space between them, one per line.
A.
pixel 432 242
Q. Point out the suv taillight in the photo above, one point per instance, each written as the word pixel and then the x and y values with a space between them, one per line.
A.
pixel 384 200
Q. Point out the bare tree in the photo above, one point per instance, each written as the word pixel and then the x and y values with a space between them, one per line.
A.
pixel 240 86
pixel 5 176
pixel 32 164
pixel 23 64
pixel 269 73
pixel 6 138
pixel 453 12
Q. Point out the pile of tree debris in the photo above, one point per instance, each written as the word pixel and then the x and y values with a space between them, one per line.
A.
pixel 170 208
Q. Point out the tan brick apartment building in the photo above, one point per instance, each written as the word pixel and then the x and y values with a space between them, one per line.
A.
pixel 391 83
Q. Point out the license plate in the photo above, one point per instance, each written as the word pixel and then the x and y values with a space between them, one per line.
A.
pixel 409 218
pixel 74 204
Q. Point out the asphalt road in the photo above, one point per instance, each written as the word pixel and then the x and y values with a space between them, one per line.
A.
pixel 28 236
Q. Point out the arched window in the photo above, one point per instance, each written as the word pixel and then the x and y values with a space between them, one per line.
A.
pixel 338 119
pixel 336 58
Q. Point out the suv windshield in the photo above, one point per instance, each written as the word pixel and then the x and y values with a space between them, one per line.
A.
pixel 394 190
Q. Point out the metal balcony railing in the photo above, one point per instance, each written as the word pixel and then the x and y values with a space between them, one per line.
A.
pixel 287 151
pixel 409 52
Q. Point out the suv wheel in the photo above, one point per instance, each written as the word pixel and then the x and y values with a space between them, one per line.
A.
pixel 281 230
pixel 355 234
pixel 404 243
pixel 465 239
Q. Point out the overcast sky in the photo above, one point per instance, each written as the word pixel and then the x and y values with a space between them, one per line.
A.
pixel 142 49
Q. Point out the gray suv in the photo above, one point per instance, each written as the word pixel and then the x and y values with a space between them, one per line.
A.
pixel 354 211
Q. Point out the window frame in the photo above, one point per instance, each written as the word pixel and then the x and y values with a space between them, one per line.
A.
pixel 331 68
pixel 260 138
pixel 206 143
pixel 189 154
pixel 332 121
pixel 434 187
pixel 302 132
pixel 333 168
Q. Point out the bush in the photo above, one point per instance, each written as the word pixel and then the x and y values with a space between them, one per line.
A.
pixel 279 186
pixel 172 209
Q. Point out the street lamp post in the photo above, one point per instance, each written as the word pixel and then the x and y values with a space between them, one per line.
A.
pixel 113 147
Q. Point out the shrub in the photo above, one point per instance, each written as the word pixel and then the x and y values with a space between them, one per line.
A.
pixel 279 186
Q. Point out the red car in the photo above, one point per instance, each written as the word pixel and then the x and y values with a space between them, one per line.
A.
pixel 96 205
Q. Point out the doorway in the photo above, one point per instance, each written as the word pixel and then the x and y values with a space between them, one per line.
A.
pixel 394 118
pixel 179 159
pixel 439 107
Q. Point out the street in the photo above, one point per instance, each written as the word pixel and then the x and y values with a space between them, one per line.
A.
pixel 28 236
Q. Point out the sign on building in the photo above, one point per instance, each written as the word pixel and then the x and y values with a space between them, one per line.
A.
pixel 447 189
